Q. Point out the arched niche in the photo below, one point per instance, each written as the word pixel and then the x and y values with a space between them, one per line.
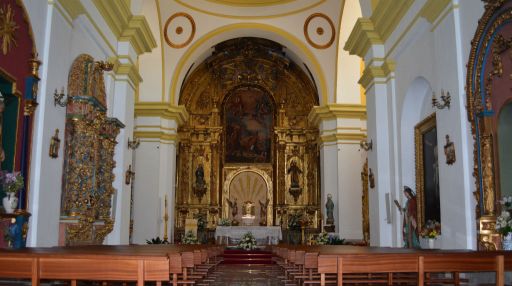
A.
pixel 504 153
pixel 271 96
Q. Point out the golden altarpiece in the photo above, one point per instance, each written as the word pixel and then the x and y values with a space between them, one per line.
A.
pixel 488 87
pixel 90 139
pixel 248 140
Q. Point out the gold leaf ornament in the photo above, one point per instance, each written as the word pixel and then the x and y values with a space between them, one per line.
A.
pixel 8 28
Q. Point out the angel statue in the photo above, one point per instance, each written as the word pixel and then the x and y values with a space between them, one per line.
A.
pixel 234 207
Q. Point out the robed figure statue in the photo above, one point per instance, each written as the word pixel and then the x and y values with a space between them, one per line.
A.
pixel 410 230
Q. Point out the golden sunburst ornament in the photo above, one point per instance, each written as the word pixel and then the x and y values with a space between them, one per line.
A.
pixel 7 29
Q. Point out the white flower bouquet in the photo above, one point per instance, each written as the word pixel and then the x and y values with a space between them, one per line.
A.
pixel 189 238
pixel 504 220
pixel 224 222
pixel 247 242
pixel 323 238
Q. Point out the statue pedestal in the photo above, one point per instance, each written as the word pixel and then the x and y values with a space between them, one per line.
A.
pixel 329 228
pixel 248 219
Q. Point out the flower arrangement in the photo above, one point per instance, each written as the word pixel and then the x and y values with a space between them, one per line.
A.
pixel 11 182
pixel 247 242
pixel 295 221
pixel 323 238
pixel 432 229
pixel 189 238
pixel 224 222
pixel 157 240
pixel 504 220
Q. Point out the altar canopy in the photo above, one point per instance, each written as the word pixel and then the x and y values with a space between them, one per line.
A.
pixel 271 234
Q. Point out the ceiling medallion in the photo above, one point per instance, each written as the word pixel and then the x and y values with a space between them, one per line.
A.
pixel 7 29
pixel 320 30
pixel 179 30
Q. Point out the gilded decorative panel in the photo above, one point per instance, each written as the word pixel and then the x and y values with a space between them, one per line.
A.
pixel 248 105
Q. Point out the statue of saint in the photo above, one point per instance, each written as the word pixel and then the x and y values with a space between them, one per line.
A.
pixel 234 207
pixel 200 183
pixel 329 207
pixel 263 212
pixel 294 171
pixel 410 227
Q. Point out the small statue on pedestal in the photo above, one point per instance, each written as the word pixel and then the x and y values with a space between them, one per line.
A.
pixel 329 207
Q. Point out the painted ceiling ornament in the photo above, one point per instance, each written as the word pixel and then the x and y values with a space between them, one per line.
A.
pixel 175 31
pixel 8 28
pixel 319 31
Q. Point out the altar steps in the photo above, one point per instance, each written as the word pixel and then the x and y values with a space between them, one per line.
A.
pixel 232 256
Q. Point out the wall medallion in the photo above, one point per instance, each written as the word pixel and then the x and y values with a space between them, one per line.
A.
pixel 7 29
pixel 319 31
pixel 179 30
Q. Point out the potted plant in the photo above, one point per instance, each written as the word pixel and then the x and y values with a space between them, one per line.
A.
pixel 431 232
pixel 12 182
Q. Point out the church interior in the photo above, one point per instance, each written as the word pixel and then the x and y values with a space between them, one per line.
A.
pixel 286 125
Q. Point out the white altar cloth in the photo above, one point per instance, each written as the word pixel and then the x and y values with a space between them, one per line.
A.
pixel 272 234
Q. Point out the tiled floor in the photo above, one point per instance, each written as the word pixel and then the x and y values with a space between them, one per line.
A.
pixel 245 275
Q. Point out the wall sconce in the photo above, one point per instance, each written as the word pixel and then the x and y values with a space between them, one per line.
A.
pixel 60 99
pixel 445 98
pixel 129 175
pixel 133 144
pixel 366 145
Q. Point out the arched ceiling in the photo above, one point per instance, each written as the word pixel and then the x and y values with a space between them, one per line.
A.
pixel 250 8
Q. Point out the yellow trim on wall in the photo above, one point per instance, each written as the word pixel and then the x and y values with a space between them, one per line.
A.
pixel 372 72
pixel 342 136
pixel 125 26
pixel 73 8
pixel 387 16
pixel 156 135
pixel 362 90
pixel 362 37
pixel 338 36
pixel 433 8
pixel 184 3
pixel 317 68
pixel 335 111
pixel 161 47
pixel 177 113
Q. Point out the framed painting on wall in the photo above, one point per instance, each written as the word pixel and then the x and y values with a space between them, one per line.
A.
pixel 427 171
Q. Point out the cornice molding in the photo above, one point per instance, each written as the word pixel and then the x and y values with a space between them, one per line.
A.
pixel 162 136
pixel 335 111
pixel 433 9
pixel 125 26
pixel 168 111
pixel 372 72
pixel 362 37
pixel 387 16
pixel 73 7
pixel 342 136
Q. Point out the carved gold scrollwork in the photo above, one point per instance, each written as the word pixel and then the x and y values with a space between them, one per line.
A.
pixel 89 157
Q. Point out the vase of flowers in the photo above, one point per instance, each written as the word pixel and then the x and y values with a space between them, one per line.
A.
pixel 323 238
pixel 247 242
pixel 189 238
pixel 12 183
pixel 504 222
pixel 431 231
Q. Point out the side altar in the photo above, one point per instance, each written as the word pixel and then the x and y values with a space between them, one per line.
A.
pixel 269 234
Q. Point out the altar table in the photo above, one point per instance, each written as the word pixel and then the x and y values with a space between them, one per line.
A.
pixel 271 234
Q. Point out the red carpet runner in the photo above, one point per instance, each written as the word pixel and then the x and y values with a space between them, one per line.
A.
pixel 232 256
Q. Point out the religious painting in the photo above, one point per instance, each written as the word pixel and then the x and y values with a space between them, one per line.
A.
pixel 427 171
pixel 248 114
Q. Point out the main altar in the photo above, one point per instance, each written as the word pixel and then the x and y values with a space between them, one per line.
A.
pixel 266 234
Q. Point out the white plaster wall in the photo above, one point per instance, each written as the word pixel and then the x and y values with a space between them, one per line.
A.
pixel 438 58
pixel 349 66
pixel 150 64
pixel 146 200
pixel 59 42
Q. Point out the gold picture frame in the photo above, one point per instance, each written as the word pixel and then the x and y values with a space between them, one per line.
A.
pixel 427 170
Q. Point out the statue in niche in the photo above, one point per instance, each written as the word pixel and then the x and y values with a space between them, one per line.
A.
pixel 329 208
pixel 294 171
pixel 233 205
pixel 263 212
pixel 200 183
